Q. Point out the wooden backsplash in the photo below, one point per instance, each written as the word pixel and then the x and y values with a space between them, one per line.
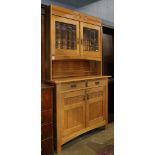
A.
pixel 74 68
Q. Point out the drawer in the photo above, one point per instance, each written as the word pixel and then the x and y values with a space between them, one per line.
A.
pixel 96 82
pixel 73 85
pixel 47 147
pixel 46 116
pixel 46 99
pixel 46 131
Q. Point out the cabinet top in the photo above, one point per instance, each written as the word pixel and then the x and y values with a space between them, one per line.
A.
pixel 65 80
pixel 75 15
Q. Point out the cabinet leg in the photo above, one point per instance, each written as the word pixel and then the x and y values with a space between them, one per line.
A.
pixel 106 124
pixel 59 148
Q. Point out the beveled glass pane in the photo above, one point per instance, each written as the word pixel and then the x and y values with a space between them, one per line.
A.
pixel 65 36
pixel 90 39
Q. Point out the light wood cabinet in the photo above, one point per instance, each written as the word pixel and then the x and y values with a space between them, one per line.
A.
pixel 74 67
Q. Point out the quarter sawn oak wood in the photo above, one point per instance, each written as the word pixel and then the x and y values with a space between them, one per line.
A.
pixel 74 60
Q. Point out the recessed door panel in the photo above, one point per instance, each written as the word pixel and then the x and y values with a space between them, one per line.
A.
pixel 73 114
pixel 95 106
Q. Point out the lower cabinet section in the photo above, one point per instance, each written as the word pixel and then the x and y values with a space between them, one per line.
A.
pixel 47 147
pixel 81 108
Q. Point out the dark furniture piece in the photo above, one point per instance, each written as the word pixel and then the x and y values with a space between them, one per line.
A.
pixel 108 60
pixel 47 120
pixel 46 96
pixel 43 22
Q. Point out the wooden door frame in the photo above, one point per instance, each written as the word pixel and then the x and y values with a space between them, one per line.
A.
pixel 90 54
pixel 63 52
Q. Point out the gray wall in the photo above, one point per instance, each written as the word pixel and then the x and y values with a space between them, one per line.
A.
pixel 103 9
pixel 49 2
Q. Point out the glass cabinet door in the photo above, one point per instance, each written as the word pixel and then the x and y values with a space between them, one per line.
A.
pixel 90 40
pixel 65 36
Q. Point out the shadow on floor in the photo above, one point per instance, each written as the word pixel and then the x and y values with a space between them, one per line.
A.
pixel 94 142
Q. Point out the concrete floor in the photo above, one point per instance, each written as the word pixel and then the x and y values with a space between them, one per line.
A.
pixel 91 143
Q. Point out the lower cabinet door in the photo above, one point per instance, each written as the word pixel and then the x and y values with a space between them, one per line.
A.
pixel 73 113
pixel 95 105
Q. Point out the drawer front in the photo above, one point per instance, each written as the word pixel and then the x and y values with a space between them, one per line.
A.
pixel 47 147
pixel 46 99
pixel 73 85
pixel 46 117
pixel 96 82
pixel 46 131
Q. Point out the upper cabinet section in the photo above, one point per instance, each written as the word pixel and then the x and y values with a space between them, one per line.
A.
pixel 74 35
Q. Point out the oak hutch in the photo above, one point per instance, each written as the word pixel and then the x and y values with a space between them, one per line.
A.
pixel 74 66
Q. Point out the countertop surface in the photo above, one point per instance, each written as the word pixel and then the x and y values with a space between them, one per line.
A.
pixel 73 79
